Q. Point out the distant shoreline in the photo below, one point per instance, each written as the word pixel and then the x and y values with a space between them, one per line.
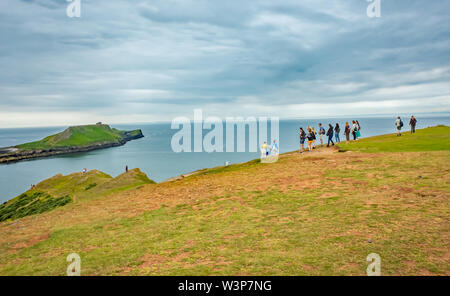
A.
pixel 314 119
pixel 58 144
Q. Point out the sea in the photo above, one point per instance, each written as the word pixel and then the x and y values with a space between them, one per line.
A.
pixel 154 154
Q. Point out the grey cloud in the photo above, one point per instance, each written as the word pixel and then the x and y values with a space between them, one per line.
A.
pixel 51 4
pixel 218 55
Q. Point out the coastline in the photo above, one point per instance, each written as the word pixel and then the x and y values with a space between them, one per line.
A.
pixel 351 202
pixel 150 153
pixel 14 154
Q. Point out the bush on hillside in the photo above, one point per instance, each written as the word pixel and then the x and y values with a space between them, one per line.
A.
pixel 30 204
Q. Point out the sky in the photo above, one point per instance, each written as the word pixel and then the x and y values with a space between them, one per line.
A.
pixel 137 61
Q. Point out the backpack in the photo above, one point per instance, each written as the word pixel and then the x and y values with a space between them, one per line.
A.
pixel 302 135
pixel 401 123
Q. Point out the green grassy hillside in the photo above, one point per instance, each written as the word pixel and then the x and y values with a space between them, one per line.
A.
pixel 428 139
pixel 78 136
pixel 318 213
pixel 61 190
pixel 31 203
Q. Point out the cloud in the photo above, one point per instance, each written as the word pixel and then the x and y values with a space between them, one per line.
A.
pixel 155 60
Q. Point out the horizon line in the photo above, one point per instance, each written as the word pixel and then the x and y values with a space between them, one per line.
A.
pixel 431 115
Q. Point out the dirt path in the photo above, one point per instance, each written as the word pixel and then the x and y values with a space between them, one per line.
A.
pixel 293 171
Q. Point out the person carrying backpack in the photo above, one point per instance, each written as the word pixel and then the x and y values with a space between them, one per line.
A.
pixel 321 133
pixel 330 135
pixel 399 125
pixel 311 139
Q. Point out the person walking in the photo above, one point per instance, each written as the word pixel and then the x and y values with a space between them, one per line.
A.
pixel 337 130
pixel 275 148
pixel 126 169
pixel 399 125
pixel 347 131
pixel 354 130
pixel 358 132
pixel 413 123
pixel 321 133
pixel 311 139
pixel 330 135
pixel 314 138
pixel 264 150
pixel 314 133
pixel 302 140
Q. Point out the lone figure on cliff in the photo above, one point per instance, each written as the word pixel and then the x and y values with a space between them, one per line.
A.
pixel 126 169
pixel 399 125
pixel 413 123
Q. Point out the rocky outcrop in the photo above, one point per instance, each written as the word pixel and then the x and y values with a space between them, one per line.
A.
pixel 133 135
pixel 13 154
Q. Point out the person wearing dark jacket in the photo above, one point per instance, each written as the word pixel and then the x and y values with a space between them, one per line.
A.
pixel 399 125
pixel 413 123
pixel 354 130
pixel 330 135
pixel 302 140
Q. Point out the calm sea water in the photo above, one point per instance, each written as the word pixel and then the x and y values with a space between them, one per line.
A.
pixel 153 154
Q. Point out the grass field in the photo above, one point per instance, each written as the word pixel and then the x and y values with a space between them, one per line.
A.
pixel 315 214
pixel 429 139
pixel 77 136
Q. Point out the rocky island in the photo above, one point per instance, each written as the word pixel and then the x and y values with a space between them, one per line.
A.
pixel 73 140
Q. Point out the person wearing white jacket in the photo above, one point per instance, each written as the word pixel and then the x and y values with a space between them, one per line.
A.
pixel 354 129
pixel 399 125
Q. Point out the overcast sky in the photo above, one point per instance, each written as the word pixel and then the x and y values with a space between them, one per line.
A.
pixel 141 61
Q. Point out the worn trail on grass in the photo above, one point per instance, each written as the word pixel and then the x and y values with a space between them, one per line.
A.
pixel 331 203
pixel 197 186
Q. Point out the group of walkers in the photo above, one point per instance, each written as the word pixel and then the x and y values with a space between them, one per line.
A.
pixel 399 125
pixel 354 131
pixel 333 131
